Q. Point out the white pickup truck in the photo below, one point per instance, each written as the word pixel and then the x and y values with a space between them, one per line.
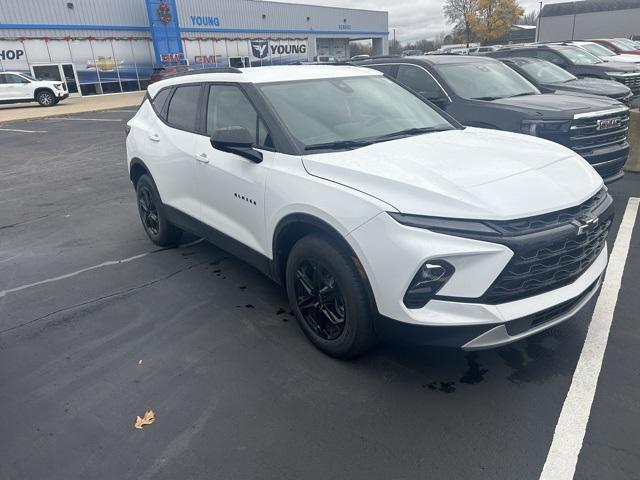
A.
pixel 17 88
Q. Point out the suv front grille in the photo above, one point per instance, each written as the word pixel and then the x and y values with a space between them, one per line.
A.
pixel 549 251
pixel 588 134
pixel 633 82
pixel 542 268
pixel 553 219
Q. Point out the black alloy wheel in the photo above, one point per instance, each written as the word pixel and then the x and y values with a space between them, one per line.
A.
pixel 320 300
pixel 148 210
pixel 327 291
pixel 153 214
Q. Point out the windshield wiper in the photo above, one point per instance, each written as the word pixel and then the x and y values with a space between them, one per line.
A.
pixel 487 98
pixel 346 144
pixel 411 131
pixel 524 94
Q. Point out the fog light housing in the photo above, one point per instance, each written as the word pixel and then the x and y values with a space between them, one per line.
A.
pixel 431 277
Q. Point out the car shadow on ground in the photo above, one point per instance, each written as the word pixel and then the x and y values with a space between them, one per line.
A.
pixel 537 359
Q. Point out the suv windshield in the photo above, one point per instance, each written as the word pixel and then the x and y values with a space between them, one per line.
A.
pixel 485 80
pixel 597 50
pixel 544 72
pixel 624 44
pixel 579 56
pixel 343 113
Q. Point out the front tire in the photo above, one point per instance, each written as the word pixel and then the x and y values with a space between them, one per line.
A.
pixel 328 297
pixel 46 98
pixel 153 214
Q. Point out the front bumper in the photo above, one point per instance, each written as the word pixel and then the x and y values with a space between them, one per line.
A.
pixel 482 337
pixel 457 316
pixel 61 95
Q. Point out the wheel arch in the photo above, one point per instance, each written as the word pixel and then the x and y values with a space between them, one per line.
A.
pixel 295 226
pixel 137 168
pixel 41 89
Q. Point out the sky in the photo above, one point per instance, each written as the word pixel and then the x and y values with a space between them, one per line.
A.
pixel 412 19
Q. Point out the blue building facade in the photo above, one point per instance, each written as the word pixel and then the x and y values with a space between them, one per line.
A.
pixel 108 47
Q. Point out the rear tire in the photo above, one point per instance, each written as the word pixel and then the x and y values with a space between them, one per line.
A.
pixel 46 98
pixel 328 297
pixel 153 214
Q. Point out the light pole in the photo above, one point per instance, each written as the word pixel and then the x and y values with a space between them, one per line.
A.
pixel 395 45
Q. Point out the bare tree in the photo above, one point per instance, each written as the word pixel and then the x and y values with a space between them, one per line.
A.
pixel 457 12
pixel 529 18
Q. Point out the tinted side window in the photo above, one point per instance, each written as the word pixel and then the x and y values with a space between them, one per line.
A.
pixel 159 101
pixel 229 107
pixel 389 70
pixel 418 80
pixel 552 57
pixel 2 79
pixel 11 78
pixel 183 107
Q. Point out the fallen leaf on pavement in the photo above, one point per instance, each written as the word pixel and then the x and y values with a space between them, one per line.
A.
pixel 149 418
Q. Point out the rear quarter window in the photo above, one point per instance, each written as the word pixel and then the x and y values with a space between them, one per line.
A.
pixel 183 107
pixel 159 100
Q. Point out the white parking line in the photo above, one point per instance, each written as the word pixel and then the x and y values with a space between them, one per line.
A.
pixel 82 119
pixel 572 423
pixel 21 131
pixel 4 293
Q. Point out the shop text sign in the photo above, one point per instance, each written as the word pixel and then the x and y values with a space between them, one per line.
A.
pixel 11 54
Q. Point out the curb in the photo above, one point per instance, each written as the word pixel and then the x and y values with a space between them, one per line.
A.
pixel 120 99
pixel 633 161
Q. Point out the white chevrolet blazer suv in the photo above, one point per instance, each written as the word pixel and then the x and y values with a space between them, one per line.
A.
pixel 380 214
pixel 20 88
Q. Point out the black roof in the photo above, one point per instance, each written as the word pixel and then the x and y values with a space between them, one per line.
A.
pixel 522 59
pixel 586 6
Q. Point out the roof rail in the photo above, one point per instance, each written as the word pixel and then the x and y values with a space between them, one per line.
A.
pixel 197 71
pixel 376 57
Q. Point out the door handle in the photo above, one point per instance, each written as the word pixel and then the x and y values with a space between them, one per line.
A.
pixel 154 138
pixel 202 158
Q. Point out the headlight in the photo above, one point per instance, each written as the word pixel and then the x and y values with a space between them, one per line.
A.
pixel 58 86
pixel 452 226
pixel 430 278
pixel 538 127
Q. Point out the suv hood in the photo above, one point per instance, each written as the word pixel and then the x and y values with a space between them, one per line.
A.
pixel 594 86
pixel 616 67
pixel 550 103
pixel 470 173
pixel 624 58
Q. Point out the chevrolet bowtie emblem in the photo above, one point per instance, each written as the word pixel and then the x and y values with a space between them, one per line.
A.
pixel 586 224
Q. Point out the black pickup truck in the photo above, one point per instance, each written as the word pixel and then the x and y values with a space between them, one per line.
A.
pixel 483 92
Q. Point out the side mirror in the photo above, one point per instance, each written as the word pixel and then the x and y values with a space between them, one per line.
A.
pixel 236 140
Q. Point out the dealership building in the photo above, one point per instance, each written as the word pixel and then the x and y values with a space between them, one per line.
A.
pixel 589 19
pixel 112 46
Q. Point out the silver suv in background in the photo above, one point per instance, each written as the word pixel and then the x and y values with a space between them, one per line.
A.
pixel 17 87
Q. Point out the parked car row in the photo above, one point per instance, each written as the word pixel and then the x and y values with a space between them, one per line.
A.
pixel 526 94
pixel 578 61
pixel 377 211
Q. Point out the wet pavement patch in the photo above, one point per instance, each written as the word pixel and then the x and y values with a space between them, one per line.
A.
pixel 475 374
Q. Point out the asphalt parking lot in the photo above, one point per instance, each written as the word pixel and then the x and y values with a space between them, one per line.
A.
pixel 97 325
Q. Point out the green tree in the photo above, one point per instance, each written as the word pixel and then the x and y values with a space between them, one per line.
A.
pixel 494 18
pixel 457 12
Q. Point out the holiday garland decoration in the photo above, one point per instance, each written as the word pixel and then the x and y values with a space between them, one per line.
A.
pixel 164 12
